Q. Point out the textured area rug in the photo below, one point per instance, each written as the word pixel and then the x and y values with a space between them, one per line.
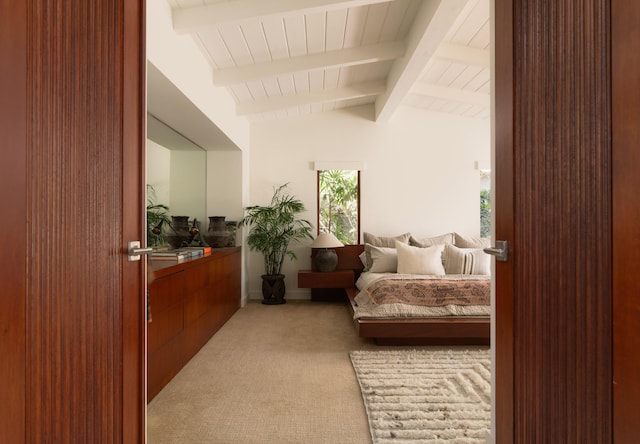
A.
pixel 426 395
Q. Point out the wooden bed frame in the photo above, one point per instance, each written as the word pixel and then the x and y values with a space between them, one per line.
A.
pixel 411 331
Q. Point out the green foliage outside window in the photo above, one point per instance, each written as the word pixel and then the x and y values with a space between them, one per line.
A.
pixel 338 196
pixel 485 213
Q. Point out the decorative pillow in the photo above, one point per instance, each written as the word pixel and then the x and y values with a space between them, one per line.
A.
pixel 363 259
pixel 420 260
pixel 383 259
pixel 471 242
pixel 380 241
pixel 447 238
pixel 466 260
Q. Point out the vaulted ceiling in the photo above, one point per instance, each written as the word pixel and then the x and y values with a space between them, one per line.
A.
pixel 284 58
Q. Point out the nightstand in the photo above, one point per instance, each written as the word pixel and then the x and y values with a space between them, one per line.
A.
pixel 326 285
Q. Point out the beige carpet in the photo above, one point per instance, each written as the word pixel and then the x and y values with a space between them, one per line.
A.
pixel 272 374
pixel 426 396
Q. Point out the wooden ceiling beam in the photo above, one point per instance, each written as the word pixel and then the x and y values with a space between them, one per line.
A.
pixel 365 89
pixel 332 59
pixel 431 25
pixel 186 20
pixel 456 53
pixel 451 94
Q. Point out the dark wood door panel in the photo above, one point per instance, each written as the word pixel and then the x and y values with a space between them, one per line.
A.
pixel 553 203
pixel 71 116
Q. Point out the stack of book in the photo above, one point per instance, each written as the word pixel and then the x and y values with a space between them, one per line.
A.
pixel 180 254
pixel 170 255
pixel 197 251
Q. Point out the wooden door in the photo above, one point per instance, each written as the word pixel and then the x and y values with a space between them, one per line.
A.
pixel 625 44
pixel 72 311
pixel 553 202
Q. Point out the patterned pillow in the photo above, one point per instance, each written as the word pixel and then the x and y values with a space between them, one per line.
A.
pixel 466 260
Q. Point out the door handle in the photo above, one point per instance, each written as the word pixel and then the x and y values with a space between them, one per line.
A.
pixel 500 251
pixel 134 251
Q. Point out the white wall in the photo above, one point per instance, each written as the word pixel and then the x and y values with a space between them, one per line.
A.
pixel 419 175
pixel 181 61
pixel 158 170
pixel 189 185
pixel 179 179
pixel 224 187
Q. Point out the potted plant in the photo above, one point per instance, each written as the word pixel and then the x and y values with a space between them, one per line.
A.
pixel 272 229
pixel 157 216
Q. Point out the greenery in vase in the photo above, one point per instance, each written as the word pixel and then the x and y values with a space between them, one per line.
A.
pixel 157 217
pixel 274 227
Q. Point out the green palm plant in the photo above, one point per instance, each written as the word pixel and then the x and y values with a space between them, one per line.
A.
pixel 274 227
pixel 157 216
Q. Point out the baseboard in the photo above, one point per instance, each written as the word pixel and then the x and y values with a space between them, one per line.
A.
pixel 293 295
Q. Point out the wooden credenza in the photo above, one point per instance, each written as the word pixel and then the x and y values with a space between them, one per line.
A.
pixel 189 302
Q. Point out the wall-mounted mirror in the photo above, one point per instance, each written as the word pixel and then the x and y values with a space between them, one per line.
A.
pixel 177 171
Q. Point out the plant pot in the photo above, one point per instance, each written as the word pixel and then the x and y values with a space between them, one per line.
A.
pixel 273 289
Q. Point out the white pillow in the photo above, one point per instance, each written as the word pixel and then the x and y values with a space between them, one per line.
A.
pixel 466 260
pixel 471 242
pixel 417 260
pixel 363 259
pixel 381 241
pixel 447 238
pixel 383 259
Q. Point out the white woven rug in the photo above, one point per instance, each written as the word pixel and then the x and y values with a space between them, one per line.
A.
pixel 426 395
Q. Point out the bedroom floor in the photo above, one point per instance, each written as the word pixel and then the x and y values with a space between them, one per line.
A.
pixel 272 374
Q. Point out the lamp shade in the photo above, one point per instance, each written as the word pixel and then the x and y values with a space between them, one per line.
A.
pixel 326 240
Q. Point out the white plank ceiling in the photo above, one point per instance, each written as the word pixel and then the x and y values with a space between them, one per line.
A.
pixel 284 58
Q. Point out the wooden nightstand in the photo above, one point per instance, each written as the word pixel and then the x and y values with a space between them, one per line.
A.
pixel 327 285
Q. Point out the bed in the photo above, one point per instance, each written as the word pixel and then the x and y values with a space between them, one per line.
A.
pixel 401 303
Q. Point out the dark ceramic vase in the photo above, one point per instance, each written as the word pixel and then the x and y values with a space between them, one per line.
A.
pixel 217 236
pixel 179 235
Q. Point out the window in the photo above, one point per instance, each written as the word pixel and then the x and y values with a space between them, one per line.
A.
pixel 485 203
pixel 339 204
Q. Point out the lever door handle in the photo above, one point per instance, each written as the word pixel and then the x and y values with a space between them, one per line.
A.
pixel 135 251
pixel 500 251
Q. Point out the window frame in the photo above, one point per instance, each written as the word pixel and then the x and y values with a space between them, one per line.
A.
pixel 318 171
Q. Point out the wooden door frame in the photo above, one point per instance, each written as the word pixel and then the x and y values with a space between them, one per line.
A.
pixel 625 44
pixel 134 334
pixel 13 127
pixel 503 198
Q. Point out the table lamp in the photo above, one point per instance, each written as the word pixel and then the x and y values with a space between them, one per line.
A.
pixel 326 258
